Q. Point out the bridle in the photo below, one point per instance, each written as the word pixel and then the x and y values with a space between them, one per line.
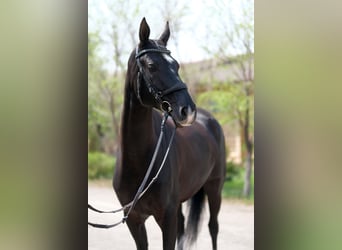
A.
pixel 166 107
pixel 156 93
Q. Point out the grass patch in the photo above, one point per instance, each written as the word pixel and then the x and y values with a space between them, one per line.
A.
pixel 233 186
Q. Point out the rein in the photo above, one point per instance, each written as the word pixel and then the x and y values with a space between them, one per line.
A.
pixel 141 191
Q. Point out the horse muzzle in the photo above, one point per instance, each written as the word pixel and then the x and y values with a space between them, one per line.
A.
pixel 184 116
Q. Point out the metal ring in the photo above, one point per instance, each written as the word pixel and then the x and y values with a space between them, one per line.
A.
pixel 166 106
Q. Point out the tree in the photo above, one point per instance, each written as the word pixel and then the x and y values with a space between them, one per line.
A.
pixel 106 86
pixel 95 74
pixel 175 12
pixel 234 39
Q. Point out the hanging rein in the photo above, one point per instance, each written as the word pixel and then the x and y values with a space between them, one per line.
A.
pixel 166 107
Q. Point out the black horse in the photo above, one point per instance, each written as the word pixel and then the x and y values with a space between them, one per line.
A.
pixel 195 166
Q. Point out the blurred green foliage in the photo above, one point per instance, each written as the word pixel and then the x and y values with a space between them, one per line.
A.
pixel 100 165
pixel 227 103
pixel 233 186
pixel 233 170
pixel 104 97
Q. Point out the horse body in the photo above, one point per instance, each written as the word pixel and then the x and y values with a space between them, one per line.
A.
pixel 195 165
pixel 198 155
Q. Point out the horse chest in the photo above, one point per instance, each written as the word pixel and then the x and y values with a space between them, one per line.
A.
pixel 129 177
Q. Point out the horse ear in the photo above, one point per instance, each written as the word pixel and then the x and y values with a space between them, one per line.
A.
pixel 144 32
pixel 166 34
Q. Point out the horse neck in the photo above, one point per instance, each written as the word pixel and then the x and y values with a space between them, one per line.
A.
pixel 137 128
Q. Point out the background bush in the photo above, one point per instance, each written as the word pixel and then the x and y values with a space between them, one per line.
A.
pixel 100 165
pixel 233 186
pixel 233 170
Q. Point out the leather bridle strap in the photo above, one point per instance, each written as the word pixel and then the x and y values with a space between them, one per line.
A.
pixel 138 53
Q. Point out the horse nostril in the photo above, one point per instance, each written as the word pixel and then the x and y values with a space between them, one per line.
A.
pixel 184 112
pixel 186 116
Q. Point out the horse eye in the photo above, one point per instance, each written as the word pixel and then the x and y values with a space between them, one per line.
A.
pixel 152 67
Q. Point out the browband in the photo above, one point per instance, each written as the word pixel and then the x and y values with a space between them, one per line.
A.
pixel 144 51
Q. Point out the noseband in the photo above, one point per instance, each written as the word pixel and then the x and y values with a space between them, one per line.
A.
pixel 156 93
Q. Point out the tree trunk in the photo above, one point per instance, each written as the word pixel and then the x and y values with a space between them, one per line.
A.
pixel 249 150
pixel 248 173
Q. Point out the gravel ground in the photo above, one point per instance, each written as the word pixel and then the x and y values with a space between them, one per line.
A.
pixel 236 222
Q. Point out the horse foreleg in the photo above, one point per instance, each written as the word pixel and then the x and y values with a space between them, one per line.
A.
pixel 168 225
pixel 137 228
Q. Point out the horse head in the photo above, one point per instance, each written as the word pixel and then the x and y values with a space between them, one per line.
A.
pixel 158 83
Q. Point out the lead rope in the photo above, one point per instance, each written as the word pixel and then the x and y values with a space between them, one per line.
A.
pixel 141 191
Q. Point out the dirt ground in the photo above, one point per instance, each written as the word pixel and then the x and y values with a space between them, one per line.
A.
pixel 236 225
